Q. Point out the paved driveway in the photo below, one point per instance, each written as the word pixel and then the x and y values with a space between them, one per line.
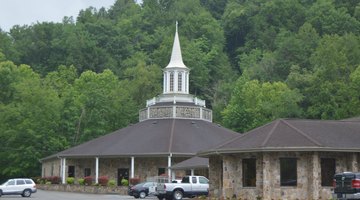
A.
pixel 53 195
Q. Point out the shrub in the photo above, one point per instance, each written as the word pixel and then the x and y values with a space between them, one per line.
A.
pixel 70 180
pixel 124 182
pixel 103 180
pixel 134 181
pixel 88 180
pixel 52 179
pixel 112 183
pixel 81 181
pixel 47 183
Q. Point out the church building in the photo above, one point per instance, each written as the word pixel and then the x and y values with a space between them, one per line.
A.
pixel 172 128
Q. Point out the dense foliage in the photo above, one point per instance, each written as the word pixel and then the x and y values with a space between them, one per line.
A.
pixel 253 61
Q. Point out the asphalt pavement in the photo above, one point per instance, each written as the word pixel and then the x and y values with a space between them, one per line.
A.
pixel 54 195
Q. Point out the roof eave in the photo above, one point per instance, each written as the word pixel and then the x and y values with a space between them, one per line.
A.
pixel 275 149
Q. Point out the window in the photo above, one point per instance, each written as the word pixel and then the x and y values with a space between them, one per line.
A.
pixel 185 179
pixel 171 81
pixel 188 172
pixel 161 171
pixel 11 182
pixel 249 172
pixel 288 172
pixel 87 172
pixel 203 180
pixel 327 171
pixel 28 181
pixel 20 182
pixel 193 180
pixel 179 81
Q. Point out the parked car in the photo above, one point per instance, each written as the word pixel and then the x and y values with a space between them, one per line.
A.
pixel 142 190
pixel 18 186
pixel 190 186
pixel 346 186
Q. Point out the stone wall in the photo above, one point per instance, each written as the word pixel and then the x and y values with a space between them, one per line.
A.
pixel 51 168
pixel 84 189
pixel 229 169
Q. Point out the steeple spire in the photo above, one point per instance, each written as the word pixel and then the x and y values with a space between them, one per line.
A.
pixel 176 57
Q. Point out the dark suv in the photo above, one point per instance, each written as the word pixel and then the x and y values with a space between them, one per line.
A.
pixel 347 185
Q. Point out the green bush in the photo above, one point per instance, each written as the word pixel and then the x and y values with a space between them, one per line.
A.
pixel 112 183
pixel 81 181
pixel 124 182
pixel 70 180
pixel 48 182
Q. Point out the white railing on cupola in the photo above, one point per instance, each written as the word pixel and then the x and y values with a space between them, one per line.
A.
pixel 176 99
pixel 175 111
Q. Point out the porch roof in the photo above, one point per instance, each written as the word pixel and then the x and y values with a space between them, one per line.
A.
pixel 295 135
pixel 192 163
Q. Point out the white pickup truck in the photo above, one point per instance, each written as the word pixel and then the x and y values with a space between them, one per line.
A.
pixel 190 186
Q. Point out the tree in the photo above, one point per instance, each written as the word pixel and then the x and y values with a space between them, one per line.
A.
pixel 28 123
pixel 253 104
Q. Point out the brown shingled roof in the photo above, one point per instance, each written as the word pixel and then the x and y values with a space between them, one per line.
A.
pixel 192 163
pixel 180 137
pixel 295 135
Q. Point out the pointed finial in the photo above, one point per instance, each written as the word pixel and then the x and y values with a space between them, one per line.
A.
pixel 176 58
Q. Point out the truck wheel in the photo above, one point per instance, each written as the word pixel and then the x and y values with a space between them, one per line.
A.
pixel 177 195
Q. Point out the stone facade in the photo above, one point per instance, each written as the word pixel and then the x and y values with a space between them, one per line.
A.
pixel 144 167
pixel 226 175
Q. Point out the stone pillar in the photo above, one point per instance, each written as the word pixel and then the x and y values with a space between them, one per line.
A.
pixel 267 177
pixel 63 169
pixel 354 162
pixel 314 177
pixel 192 172
pixel 215 177
pixel 97 170
pixel 132 167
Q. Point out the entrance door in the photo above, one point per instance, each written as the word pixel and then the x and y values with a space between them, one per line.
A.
pixel 123 173
pixel 71 171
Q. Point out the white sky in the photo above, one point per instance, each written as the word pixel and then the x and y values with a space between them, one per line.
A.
pixel 21 12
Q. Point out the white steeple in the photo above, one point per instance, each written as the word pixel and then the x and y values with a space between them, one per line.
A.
pixel 176 57
pixel 176 74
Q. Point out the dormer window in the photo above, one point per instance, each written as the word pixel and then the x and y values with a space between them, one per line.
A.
pixel 171 81
pixel 180 82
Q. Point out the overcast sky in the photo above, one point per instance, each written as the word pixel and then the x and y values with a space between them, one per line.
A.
pixel 21 12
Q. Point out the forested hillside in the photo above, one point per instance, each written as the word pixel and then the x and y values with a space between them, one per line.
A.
pixel 62 84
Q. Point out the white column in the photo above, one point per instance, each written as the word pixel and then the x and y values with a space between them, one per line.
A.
pixel 167 81
pixel 192 172
pixel 187 82
pixel 63 168
pixel 183 89
pixel 96 170
pixel 132 167
pixel 164 83
pixel 169 165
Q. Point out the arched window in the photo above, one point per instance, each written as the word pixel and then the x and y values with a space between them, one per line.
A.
pixel 180 82
pixel 171 81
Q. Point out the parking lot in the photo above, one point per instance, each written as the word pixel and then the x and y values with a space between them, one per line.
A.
pixel 53 195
